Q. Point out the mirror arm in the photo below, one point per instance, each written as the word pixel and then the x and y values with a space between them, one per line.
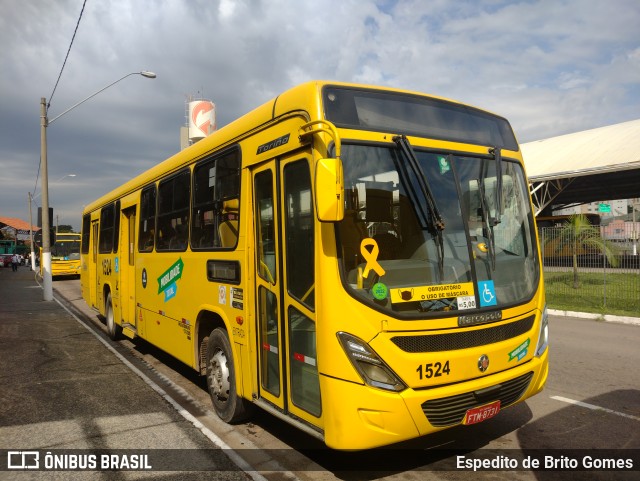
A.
pixel 321 126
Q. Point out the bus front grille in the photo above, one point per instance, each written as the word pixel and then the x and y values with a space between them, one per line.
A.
pixel 451 410
pixel 465 339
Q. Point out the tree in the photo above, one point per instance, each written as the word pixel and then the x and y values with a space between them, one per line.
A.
pixel 580 236
pixel 62 228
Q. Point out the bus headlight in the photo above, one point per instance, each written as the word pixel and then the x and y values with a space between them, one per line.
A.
pixel 371 368
pixel 543 337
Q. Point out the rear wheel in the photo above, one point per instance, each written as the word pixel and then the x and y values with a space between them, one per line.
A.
pixel 221 380
pixel 113 330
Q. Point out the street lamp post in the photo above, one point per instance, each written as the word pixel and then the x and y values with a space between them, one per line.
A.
pixel 45 260
pixel 47 281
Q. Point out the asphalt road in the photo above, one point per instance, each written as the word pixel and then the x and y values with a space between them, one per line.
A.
pixel 589 408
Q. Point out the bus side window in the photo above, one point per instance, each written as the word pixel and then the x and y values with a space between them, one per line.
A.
pixel 216 200
pixel 105 245
pixel 173 212
pixel 228 229
pixel 147 219
pixel 86 233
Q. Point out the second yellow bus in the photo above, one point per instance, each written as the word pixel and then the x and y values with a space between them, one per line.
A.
pixel 65 255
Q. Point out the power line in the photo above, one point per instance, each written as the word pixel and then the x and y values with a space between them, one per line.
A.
pixel 37 176
pixel 58 81
pixel 67 56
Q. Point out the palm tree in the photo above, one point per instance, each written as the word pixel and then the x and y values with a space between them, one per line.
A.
pixel 580 236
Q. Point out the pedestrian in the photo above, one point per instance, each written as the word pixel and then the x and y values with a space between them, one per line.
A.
pixel 14 262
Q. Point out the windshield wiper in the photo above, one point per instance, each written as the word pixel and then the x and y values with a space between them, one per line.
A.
pixel 414 165
pixel 490 222
pixel 497 154
pixel 487 226
pixel 432 222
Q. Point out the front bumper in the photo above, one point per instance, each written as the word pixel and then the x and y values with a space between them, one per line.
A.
pixel 360 417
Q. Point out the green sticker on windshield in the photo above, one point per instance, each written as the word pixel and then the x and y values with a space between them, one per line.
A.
pixel 443 162
pixel 379 291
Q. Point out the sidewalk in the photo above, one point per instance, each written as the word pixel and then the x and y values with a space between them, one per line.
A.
pixel 62 388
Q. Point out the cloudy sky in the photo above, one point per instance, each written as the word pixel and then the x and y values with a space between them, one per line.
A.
pixel 551 67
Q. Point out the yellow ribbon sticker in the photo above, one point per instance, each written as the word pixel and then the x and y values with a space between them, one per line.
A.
pixel 371 256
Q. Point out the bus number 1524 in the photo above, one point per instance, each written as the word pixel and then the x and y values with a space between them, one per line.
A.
pixel 435 369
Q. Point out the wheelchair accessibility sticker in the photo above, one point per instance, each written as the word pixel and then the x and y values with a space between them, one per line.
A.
pixel 487 293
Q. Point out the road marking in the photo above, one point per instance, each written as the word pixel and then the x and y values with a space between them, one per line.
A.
pixel 594 407
pixel 231 454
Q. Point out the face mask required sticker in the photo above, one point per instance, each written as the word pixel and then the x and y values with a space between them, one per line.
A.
pixel 429 293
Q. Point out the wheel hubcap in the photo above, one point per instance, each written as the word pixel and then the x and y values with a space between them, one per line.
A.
pixel 110 325
pixel 219 376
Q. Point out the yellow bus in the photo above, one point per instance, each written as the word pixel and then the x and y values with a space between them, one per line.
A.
pixel 360 262
pixel 65 255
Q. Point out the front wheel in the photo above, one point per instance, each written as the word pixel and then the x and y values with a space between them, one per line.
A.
pixel 113 330
pixel 221 380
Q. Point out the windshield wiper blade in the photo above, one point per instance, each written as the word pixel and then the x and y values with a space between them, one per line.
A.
pixel 487 227
pixel 436 218
pixel 497 154
pixel 434 223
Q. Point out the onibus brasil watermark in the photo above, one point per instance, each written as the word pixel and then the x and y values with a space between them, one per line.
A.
pixel 36 460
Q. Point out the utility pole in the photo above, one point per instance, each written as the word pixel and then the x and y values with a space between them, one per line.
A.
pixel 33 251
pixel 47 281
pixel 45 261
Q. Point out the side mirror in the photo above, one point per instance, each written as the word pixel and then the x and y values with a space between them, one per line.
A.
pixel 329 187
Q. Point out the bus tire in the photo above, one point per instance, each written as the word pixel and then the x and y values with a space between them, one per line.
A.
pixel 221 380
pixel 114 331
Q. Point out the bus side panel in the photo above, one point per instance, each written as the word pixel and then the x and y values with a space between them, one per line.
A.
pixel 85 260
pixel 163 302
pixel 107 284
pixel 93 260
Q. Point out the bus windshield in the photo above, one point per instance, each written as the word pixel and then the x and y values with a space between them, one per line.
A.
pixel 397 261
pixel 67 250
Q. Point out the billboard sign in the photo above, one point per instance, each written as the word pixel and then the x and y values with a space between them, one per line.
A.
pixel 202 119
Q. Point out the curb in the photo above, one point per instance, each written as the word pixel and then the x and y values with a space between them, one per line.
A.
pixel 598 317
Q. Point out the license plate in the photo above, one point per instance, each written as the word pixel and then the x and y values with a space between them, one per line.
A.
pixel 482 413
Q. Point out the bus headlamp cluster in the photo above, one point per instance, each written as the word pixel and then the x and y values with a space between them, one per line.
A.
pixel 373 371
pixel 543 337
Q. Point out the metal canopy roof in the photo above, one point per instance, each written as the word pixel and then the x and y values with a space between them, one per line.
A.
pixel 587 166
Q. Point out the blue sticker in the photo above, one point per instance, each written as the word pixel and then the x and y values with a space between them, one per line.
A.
pixel 487 293
pixel 170 291
pixel 116 263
